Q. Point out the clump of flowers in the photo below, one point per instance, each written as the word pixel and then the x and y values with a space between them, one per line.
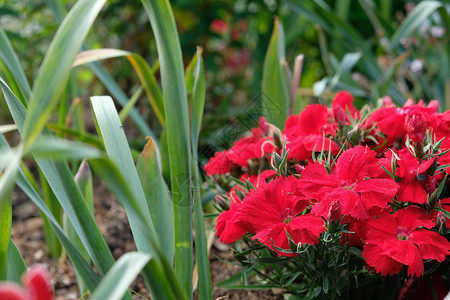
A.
pixel 340 198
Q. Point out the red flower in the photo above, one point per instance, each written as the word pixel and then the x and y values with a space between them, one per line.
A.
pixel 344 100
pixel 219 26
pixel 255 146
pixel 391 120
pixel 349 186
pixel 395 240
pixel 276 208
pixel 306 133
pixel 228 228
pixel 37 282
pixel 411 188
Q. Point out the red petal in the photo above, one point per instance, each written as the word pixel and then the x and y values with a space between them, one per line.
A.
pixel 38 282
pixel 382 263
pixel 357 163
pixel 412 191
pixel 12 291
pixel 431 244
pixel 227 227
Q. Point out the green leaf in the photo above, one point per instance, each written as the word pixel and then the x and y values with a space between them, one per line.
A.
pixel 7 128
pixel 63 185
pixel 142 69
pixel 201 247
pixel 5 236
pixel 118 150
pixel 275 88
pixel 60 149
pixel 162 285
pixel 55 69
pixel 120 276
pixel 9 58
pixel 125 112
pixel 177 126
pixel 420 13
pixel 157 195
pixel 198 98
pixel 80 265
pixel 16 264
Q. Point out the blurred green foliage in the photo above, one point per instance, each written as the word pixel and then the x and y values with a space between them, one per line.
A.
pixel 347 45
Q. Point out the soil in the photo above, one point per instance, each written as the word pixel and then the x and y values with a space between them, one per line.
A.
pixel 28 235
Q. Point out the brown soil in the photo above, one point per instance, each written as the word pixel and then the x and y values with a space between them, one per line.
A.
pixel 28 235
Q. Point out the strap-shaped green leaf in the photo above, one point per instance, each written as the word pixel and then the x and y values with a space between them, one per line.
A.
pixel 275 87
pixel 55 69
pixel 142 69
pixel 120 276
pixel 177 129
pixel 16 264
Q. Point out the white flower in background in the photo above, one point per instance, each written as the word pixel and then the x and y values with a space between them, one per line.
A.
pixel 416 65
pixel 437 31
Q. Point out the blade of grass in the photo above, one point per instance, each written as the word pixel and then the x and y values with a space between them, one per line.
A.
pixel 16 264
pixel 120 276
pixel 125 112
pixel 55 69
pixel 275 89
pixel 175 101
pixel 201 247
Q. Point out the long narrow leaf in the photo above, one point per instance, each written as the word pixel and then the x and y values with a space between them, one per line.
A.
pixel 201 247
pixel 121 275
pixel 55 69
pixel 9 58
pixel 142 69
pixel 158 198
pixel 16 264
pixel 176 113
pixel 159 276
pixel 63 185
pixel 275 89
pixel 116 146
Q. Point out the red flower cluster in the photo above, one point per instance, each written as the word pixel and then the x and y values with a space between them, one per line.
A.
pixel 379 175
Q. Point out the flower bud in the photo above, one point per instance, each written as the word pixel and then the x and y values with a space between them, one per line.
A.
pixel 355 135
pixel 223 202
pixel 440 222
pixel 415 126
pixel 299 169
pixel 339 115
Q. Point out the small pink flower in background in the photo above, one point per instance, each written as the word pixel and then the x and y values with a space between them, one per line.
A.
pixel 37 286
pixel 219 26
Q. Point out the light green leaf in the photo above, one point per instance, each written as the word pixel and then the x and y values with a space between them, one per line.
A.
pixel 275 88
pixel 7 128
pixel 120 276
pixel 55 69
pixel 125 112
